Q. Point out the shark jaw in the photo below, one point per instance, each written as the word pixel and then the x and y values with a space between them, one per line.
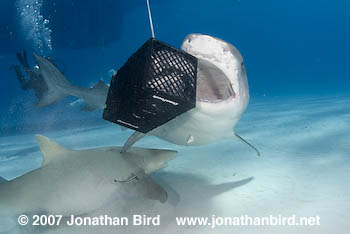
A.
pixel 222 94
pixel 221 69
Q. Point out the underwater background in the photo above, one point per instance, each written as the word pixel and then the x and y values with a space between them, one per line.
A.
pixel 290 48
pixel 296 55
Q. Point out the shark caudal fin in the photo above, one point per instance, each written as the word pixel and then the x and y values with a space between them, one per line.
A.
pixel 50 149
pixel 57 84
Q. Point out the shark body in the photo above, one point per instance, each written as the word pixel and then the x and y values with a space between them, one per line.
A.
pixel 80 181
pixel 59 87
pixel 222 96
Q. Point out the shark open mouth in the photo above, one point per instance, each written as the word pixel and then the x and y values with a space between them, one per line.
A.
pixel 219 67
pixel 212 84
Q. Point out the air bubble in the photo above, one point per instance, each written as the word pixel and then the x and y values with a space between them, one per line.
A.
pixel 34 26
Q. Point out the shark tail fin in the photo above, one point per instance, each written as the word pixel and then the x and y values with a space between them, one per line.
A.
pixel 50 97
pixel 2 180
pixel 57 85
pixel 246 142
pixel 50 149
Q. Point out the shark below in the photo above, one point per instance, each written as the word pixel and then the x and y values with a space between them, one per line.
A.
pixel 80 181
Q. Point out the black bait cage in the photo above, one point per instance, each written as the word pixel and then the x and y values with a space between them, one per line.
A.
pixel 155 85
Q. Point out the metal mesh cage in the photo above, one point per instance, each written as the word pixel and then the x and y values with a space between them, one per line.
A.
pixel 155 85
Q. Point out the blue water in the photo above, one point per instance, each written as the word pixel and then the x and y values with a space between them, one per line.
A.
pixel 296 55
pixel 290 48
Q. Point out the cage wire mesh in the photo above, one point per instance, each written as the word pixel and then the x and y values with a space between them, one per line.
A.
pixel 155 85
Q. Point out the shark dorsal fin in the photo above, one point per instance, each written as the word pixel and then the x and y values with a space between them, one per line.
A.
pixel 51 150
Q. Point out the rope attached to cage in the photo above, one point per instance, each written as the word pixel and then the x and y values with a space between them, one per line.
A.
pixel 150 18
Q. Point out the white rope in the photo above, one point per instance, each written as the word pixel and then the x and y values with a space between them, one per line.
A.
pixel 150 18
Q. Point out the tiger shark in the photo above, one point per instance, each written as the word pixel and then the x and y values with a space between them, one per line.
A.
pixel 222 95
pixel 59 87
pixel 80 181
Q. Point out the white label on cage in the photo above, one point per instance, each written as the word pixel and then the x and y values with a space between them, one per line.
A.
pixel 126 123
pixel 166 100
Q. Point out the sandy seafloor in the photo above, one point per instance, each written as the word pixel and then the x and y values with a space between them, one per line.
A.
pixel 303 170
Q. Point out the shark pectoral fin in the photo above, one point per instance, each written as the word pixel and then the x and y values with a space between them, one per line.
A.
pixel 134 137
pixel 2 180
pixel 151 189
pixel 50 149
pixel 246 142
